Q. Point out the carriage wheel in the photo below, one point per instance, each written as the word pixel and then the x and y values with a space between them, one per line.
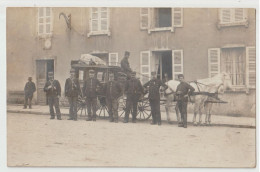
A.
pixel 101 107
pixel 122 107
pixel 81 107
pixel 143 110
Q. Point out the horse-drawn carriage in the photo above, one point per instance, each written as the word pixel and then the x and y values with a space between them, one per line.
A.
pixel 143 108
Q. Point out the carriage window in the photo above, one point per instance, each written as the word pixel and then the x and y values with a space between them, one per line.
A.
pixel 100 76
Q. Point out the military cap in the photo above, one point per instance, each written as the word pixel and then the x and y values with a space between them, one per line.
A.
pixel 50 73
pixel 91 71
pixel 127 53
pixel 30 78
pixel 133 73
pixel 72 70
pixel 180 75
pixel 153 73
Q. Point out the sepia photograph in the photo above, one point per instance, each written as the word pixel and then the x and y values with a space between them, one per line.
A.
pixel 131 87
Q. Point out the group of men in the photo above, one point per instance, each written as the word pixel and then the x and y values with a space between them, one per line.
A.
pixel 113 91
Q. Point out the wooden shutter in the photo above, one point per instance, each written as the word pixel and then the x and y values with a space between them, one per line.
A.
pixel 103 19
pixel 145 66
pixel 177 17
pixel 251 67
pixel 177 63
pixel 213 61
pixel 113 59
pixel 48 22
pixel 144 18
pixel 225 15
pixel 94 19
pixel 41 20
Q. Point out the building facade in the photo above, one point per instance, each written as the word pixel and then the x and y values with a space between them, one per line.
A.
pixel 198 42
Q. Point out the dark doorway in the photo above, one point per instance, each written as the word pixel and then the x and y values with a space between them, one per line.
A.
pixel 165 64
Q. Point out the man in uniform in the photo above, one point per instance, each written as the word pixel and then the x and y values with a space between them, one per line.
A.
pixel 72 90
pixel 90 88
pixel 29 89
pixel 112 91
pixel 125 65
pixel 183 91
pixel 154 97
pixel 53 92
pixel 133 90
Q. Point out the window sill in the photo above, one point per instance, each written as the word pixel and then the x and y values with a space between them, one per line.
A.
pixel 44 36
pixel 108 33
pixel 161 29
pixel 240 89
pixel 244 23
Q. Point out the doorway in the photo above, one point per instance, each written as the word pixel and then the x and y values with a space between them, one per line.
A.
pixel 164 59
pixel 42 69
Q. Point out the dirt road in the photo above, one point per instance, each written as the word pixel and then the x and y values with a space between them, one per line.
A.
pixel 35 140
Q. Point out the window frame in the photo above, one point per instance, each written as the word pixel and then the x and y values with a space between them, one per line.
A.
pixel 44 34
pixel 99 31
pixel 109 59
pixel 232 18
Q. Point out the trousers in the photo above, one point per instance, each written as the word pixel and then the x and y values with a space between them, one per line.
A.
pixel 155 110
pixel 182 105
pixel 27 101
pixel 73 107
pixel 91 105
pixel 54 101
pixel 112 105
pixel 131 103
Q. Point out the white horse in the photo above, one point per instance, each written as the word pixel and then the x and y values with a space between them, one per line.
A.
pixel 216 84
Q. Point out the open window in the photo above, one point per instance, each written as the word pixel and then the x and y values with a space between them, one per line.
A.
pixel 45 22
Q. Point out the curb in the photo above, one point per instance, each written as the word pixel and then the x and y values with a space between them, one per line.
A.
pixel 141 121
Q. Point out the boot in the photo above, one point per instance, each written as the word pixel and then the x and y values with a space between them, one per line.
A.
pixel 24 107
pixel 58 117
pixel 125 121
pixel 52 117
pixel 116 120
pixel 111 120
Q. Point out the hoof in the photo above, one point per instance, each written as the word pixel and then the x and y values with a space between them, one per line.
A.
pixel 195 123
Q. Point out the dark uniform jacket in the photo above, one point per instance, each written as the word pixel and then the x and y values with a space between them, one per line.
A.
pixel 90 88
pixel 55 90
pixel 125 65
pixel 134 87
pixel 72 88
pixel 184 89
pixel 112 90
pixel 29 89
pixel 154 86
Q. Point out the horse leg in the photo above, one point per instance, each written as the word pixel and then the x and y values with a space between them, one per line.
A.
pixel 209 110
pixel 200 112
pixel 177 113
pixel 196 110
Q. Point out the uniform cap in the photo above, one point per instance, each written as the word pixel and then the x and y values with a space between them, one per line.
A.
pixel 133 73
pixel 91 71
pixel 127 53
pixel 30 78
pixel 153 73
pixel 50 73
pixel 180 75
pixel 72 70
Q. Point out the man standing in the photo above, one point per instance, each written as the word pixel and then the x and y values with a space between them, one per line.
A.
pixel 125 65
pixel 112 91
pixel 154 97
pixel 29 89
pixel 90 88
pixel 72 90
pixel 53 92
pixel 183 91
pixel 133 90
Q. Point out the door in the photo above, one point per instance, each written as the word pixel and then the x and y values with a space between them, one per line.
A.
pixel 42 68
pixel 41 78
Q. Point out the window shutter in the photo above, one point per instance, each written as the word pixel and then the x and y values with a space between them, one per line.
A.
pixel 177 17
pixel 177 63
pixel 144 18
pixel 113 59
pixel 239 14
pixel 225 14
pixel 104 19
pixel 48 20
pixel 251 67
pixel 145 66
pixel 213 61
pixel 94 19
pixel 41 20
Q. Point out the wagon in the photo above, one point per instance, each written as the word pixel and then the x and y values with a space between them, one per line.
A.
pixel 102 73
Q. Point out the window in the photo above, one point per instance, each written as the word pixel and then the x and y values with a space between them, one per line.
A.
pixel 113 59
pixel 145 66
pixel 160 19
pixel 177 63
pixel 44 21
pixel 99 21
pixel 238 62
pixel 232 17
